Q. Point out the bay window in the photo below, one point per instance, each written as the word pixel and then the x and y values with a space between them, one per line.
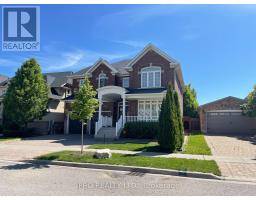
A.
pixel 151 77
pixel 149 109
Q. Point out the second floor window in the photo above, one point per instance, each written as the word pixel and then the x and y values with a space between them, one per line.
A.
pixel 102 80
pixel 125 82
pixel 151 77
pixel 81 82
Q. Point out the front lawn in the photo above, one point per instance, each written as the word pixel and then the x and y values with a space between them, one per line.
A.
pixel 129 146
pixel 197 145
pixel 205 166
pixel 9 138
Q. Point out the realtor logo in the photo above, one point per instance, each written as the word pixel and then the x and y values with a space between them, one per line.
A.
pixel 21 28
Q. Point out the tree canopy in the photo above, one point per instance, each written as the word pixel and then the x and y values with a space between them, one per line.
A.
pixel 190 103
pixel 26 98
pixel 85 103
pixel 249 108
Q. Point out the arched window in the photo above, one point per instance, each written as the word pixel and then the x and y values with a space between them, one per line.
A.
pixel 102 80
pixel 151 77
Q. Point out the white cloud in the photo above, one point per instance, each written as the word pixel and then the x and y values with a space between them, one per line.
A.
pixel 8 62
pixel 132 43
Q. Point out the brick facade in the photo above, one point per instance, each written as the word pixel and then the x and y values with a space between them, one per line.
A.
pixel 151 58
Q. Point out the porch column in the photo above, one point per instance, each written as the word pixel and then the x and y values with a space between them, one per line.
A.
pixel 124 117
pixel 100 104
pixel 66 131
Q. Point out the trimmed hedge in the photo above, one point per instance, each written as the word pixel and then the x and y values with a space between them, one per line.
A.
pixel 1 128
pixel 140 130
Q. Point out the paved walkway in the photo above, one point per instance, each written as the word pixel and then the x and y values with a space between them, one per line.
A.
pixel 235 155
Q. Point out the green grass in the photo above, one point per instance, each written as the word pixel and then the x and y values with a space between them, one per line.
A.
pixel 2 139
pixel 129 146
pixel 197 145
pixel 205 166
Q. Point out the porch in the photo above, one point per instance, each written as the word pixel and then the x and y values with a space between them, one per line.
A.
pixel 118 107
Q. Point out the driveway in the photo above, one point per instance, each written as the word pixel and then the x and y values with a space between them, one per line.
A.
pixel 235 154
pixel 18 150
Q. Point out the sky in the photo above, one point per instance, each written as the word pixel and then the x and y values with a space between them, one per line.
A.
pixel 215 44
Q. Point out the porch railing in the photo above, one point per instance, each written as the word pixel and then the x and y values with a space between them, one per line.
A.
pixel 141 118
pixel 119 126
pixel 98 126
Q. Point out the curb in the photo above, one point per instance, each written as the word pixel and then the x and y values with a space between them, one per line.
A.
pixel 130 169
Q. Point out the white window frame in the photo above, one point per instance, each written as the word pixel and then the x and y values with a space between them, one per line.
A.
pixel 102 76
pixel 128 83
pixel 157 102
pixel 154 70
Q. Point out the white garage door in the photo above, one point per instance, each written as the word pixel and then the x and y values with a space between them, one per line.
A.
pixel 230 122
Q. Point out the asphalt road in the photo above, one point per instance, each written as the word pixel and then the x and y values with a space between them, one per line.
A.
pixel 28 179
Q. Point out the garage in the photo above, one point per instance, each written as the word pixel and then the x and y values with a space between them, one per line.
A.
pixel 229 122
pixel 224 116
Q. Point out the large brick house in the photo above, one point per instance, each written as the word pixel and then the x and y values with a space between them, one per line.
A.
pixel 128 90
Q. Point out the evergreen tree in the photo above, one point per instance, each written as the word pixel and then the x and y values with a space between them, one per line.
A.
pixel 168 126
pixel 84 105
pixel 190 103
pixel 180 132
pixel 26 98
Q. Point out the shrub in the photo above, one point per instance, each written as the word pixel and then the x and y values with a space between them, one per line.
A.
pixel 170 132
pixel 180 133
pixel 140 130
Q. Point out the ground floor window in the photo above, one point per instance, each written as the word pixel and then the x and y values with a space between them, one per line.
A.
pixel 149 109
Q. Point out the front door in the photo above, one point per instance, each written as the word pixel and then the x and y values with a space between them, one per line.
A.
pixel 106 121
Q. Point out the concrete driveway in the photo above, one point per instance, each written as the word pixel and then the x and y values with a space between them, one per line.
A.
pixel 235 154
pixel 18 150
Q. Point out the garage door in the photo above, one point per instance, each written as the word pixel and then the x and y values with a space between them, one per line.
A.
pixel 230 123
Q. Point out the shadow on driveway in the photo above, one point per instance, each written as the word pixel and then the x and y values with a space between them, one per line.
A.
pixel 25 165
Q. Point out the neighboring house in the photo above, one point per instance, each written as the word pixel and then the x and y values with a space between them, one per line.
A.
pixel 128 90
pixel 224 116
pixel 4 81
pixel 59 88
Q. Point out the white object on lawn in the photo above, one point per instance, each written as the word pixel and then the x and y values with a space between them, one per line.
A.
pixel 102 154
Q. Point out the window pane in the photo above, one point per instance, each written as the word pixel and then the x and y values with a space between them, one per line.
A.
pixel 144 80
pixel 157 79
pixel 125 82
pixel 154 110
pixel 141 109
pixel 147 109
pixel 151 79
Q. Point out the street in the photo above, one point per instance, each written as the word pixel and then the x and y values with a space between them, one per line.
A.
pixel 19 178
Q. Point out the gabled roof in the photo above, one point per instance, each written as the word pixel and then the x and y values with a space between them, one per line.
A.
pixel 122 66
pixel 150 47
pixel 3 78
pixel 98 63
pixel 224 99
pixel 59 79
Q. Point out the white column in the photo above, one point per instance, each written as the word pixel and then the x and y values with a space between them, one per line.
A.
pixel 123 96
pixel 67 124
pixel 100 104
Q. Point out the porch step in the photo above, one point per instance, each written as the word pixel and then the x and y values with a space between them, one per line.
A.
pixel 107 132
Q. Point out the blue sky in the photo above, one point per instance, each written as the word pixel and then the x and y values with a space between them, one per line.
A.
pixel 215 44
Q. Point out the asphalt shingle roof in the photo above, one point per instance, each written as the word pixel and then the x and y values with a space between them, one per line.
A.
pixel 61 78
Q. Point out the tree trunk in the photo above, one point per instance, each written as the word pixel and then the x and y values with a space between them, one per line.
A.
pixel 82 138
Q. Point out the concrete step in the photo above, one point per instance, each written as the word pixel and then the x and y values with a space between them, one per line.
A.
pixel 107 133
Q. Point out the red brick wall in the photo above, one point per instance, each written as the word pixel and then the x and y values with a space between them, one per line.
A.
pixel 154 59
